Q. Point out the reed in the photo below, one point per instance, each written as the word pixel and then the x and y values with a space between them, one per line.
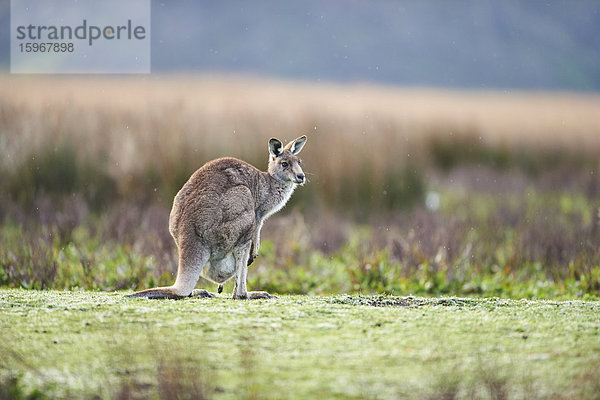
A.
pixel 370 148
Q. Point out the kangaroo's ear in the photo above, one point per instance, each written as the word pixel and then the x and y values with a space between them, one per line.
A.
pixel 275 147
pixel 296 145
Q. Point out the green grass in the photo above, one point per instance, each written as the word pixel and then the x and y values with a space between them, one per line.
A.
pixel 86 344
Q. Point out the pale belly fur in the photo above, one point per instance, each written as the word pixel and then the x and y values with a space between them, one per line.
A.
pixel 220 271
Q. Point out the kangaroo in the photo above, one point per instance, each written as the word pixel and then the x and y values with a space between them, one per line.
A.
pixel 217 217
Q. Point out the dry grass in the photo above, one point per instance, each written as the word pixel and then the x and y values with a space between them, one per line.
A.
pixel 178 122
pixel 141 137
pixel 226 108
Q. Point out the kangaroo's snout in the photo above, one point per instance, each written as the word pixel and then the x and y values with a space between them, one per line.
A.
pixel 300 178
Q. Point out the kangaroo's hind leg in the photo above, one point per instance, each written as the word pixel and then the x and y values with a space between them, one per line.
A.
pixel 241 254
pixel 192 258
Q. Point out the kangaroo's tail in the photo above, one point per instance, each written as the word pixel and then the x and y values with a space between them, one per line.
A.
pixel 158 293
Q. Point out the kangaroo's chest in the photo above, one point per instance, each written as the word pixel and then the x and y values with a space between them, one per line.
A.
pixel 275 203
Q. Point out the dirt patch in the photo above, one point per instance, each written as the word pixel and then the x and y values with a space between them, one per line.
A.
pixel 378 301
pixel 409 301
pixel 454 302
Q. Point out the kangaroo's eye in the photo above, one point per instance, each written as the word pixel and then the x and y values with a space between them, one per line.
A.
pixel 284 164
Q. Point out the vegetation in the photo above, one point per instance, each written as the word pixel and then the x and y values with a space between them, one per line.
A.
pixel 410 191
pixel 87 344
pixel 456 250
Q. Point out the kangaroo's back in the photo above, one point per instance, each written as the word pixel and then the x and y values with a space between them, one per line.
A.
pixel 213 194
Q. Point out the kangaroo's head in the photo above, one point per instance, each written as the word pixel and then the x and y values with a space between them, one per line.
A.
pixel 284 164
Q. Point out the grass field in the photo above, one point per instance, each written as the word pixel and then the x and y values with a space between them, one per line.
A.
pixel 86 344
pixel 413 196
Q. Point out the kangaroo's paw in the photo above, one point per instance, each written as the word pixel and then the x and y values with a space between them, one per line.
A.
pixel 260 295
pixel 201 293
pixel 252 258
pixel 220 289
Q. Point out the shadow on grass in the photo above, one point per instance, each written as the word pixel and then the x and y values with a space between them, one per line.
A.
pixel 489 380
pixel 168 374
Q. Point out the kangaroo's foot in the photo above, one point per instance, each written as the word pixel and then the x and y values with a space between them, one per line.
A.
pixel 255 295
pixel 156 296
pixel 202 293
pixel 260 295
pixel 157 293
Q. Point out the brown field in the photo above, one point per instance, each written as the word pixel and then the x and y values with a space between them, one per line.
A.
pixel 137 119
pixel 170 125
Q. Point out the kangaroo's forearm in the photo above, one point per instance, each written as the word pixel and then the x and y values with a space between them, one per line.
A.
pixel 256 240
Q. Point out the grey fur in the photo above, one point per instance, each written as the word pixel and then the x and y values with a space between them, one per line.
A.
pixel 217 217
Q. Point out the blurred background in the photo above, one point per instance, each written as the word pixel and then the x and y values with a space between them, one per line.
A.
pixel 453 148
pixel 464 44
